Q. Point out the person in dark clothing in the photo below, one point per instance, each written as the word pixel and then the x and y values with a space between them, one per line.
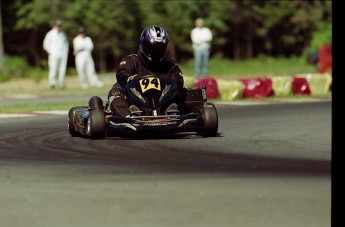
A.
pixel 149 60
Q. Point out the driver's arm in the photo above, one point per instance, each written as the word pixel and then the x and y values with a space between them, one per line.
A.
pixel 126 68
pixel 178 77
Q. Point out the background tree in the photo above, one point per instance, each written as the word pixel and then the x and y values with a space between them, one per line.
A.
pixel 111 32
pixel 241 29
pixel 2 54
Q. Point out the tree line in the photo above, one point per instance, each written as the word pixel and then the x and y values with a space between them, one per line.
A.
pixel 241 29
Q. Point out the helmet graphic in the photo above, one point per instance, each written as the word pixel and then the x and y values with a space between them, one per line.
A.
pixel 154 42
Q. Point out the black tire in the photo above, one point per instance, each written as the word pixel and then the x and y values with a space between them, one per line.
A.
pixel 210 117
pixel 96 102
pixel 71 128
pixel 96 124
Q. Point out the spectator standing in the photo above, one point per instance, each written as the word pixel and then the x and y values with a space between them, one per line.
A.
pixel 56 44
pixel 82 50
pixel 201 40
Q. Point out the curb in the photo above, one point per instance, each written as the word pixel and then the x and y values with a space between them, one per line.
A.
pixel 310 84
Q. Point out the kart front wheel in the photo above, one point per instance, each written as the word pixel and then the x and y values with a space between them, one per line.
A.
pixel 96 124
pixel 210 117
pixel 96 102
pixel 71 128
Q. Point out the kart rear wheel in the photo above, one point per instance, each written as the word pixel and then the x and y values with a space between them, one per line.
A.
pixel 96 124
pixel 71 128
pixel 210 117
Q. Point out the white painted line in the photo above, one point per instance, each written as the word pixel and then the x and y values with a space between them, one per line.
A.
pixel 239 103
pixel 16 115
pixel 23 96
pixel 35 113
pixel 54 112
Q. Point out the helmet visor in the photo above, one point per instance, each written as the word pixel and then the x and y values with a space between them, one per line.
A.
pixel 155 51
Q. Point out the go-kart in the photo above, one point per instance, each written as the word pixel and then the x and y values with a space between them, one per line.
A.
pixel 151 94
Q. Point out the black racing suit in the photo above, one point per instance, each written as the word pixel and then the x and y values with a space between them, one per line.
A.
pixel 138 64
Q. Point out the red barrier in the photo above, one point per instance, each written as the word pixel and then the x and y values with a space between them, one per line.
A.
pixel 300 86
pixel 325 59
pixel 211 86
pixel 257 87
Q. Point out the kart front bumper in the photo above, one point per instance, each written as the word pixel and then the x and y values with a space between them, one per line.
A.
pixel 154 124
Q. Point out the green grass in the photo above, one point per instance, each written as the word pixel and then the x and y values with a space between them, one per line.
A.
pixel 218 68
pixel 262 66
pixel 66 105
pixel 29 107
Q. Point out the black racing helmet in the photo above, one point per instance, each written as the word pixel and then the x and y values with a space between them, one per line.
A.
pixel 154 42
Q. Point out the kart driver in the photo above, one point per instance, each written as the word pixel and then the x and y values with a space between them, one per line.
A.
pixel 150 60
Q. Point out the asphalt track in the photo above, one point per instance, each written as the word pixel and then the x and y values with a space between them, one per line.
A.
pixel 269 166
